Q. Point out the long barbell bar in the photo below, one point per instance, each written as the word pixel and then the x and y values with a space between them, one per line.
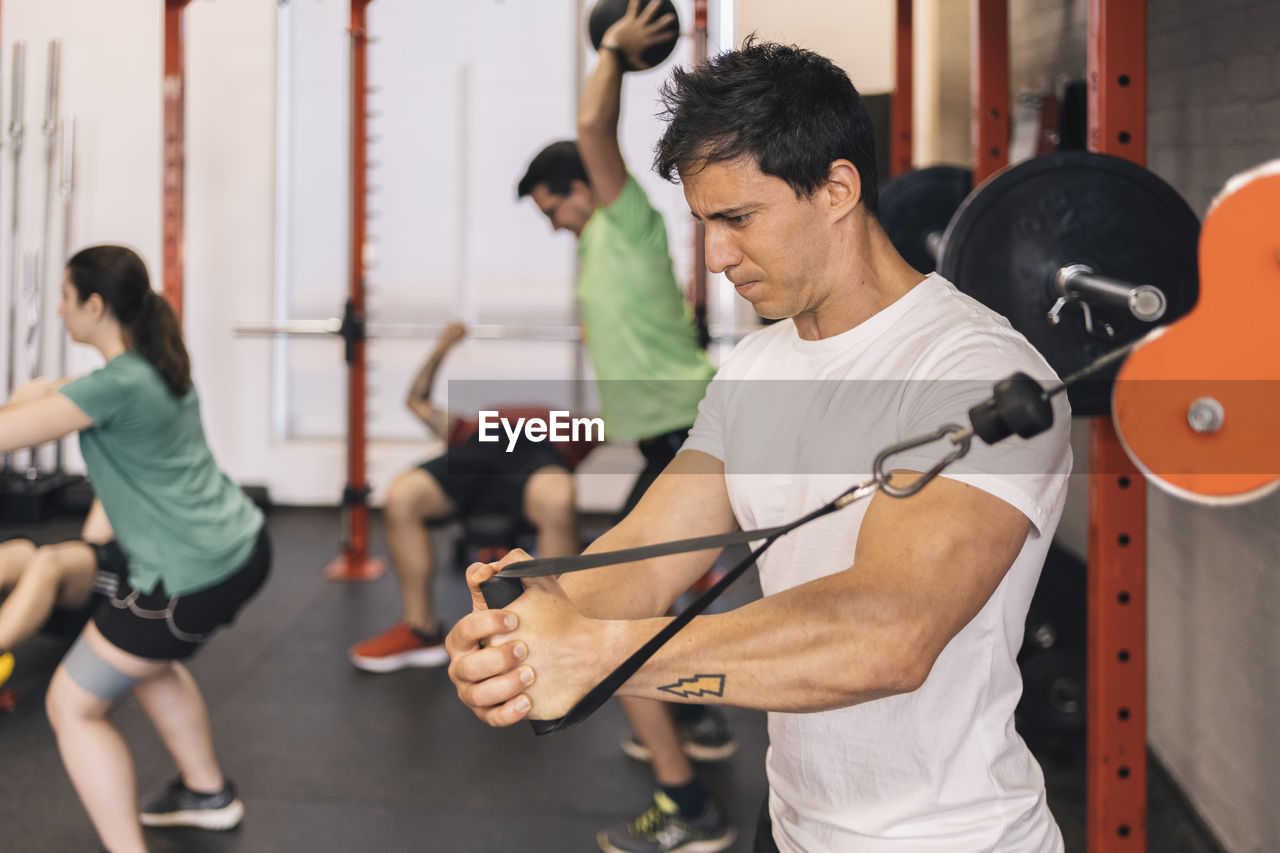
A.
pixel 332 327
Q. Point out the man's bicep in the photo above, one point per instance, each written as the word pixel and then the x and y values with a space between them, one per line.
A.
pixel 688 499
pixel 939 555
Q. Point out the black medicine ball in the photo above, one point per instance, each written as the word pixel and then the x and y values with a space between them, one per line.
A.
pixel 605 12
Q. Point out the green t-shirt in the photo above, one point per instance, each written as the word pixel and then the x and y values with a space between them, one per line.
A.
pixel 640 332
pixel 175 514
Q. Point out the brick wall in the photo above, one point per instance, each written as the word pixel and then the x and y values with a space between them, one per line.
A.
pixel 1214 91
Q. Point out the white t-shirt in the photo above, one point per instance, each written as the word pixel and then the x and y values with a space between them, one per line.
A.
pixel 796 422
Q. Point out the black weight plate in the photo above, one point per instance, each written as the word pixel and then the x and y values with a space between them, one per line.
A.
pixel 916 203
pixel 1011 235
pixel 1053 692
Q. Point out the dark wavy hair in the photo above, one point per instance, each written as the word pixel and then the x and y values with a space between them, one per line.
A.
pixel 789 109
pixel 558 165
pixel 147 320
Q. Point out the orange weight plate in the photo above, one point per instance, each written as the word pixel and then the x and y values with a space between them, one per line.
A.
pixel 1219 366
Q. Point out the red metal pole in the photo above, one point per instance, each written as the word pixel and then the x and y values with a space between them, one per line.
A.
pixel 1116 766
pixel 1118 79
pixel 354 562
pixel 698 283
pixel 990 62
pixel 900 106
pixel 174 177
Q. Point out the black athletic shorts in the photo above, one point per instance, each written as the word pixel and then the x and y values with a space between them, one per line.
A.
pixel 160 626
pixel 481 478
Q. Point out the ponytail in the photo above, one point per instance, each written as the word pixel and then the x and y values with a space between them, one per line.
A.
pixel 157 336
pixel 148 322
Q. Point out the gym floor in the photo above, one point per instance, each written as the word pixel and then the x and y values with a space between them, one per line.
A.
pixel 328 758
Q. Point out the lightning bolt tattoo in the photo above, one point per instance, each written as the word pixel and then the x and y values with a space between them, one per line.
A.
pixel 700 685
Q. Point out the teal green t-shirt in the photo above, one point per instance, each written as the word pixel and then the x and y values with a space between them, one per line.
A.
pixel 640 332
pixel 175 514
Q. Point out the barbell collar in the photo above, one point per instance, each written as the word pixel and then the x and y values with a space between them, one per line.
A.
pixel 933 243
pixel 1144 302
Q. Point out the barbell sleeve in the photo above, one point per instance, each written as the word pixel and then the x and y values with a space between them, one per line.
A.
pixel 1145 302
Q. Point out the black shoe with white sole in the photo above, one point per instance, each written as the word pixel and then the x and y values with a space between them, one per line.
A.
pixel 181 806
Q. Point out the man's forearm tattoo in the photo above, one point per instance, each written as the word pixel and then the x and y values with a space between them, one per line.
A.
pixel 702 684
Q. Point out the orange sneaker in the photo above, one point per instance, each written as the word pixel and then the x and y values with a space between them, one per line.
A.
pixel 398 647
pixel 708 580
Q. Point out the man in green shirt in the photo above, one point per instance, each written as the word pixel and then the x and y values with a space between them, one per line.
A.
pixel 652 373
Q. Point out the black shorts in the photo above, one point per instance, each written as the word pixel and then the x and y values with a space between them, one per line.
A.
pixel 160 626
pixel 481 478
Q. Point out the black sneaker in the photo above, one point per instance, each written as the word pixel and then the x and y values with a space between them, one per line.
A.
pixel 708 738
pixel 662 829
pixel 181 806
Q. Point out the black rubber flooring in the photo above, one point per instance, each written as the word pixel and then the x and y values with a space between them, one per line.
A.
pixel 328 758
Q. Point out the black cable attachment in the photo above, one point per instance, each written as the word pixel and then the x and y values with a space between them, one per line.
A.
pixel 353 496
pixel 351 330
pixel 1018 405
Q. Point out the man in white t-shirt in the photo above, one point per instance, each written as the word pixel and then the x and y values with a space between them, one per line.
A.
pixel 884 646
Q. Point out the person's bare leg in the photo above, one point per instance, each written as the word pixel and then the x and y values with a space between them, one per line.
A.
pixel 93 752
pixel 414 497
pixel 54 575
pixel 654 727
pixel 173 702
pixel 549 505
pixel 96 528
pixel 14 554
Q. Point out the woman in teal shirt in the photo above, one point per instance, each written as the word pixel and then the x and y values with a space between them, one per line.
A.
pixel 190 548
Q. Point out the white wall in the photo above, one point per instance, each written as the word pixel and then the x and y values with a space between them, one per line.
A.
pixel 454 130
pixel 230 253
pixel 858 36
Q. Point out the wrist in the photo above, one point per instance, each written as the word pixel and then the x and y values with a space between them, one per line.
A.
pixel 622 638
pixel 616 50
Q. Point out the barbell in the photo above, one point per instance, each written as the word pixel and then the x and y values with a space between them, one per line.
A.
pixel 1085 254
pixel 349 328
pixel 335 327
pixel 1081 252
